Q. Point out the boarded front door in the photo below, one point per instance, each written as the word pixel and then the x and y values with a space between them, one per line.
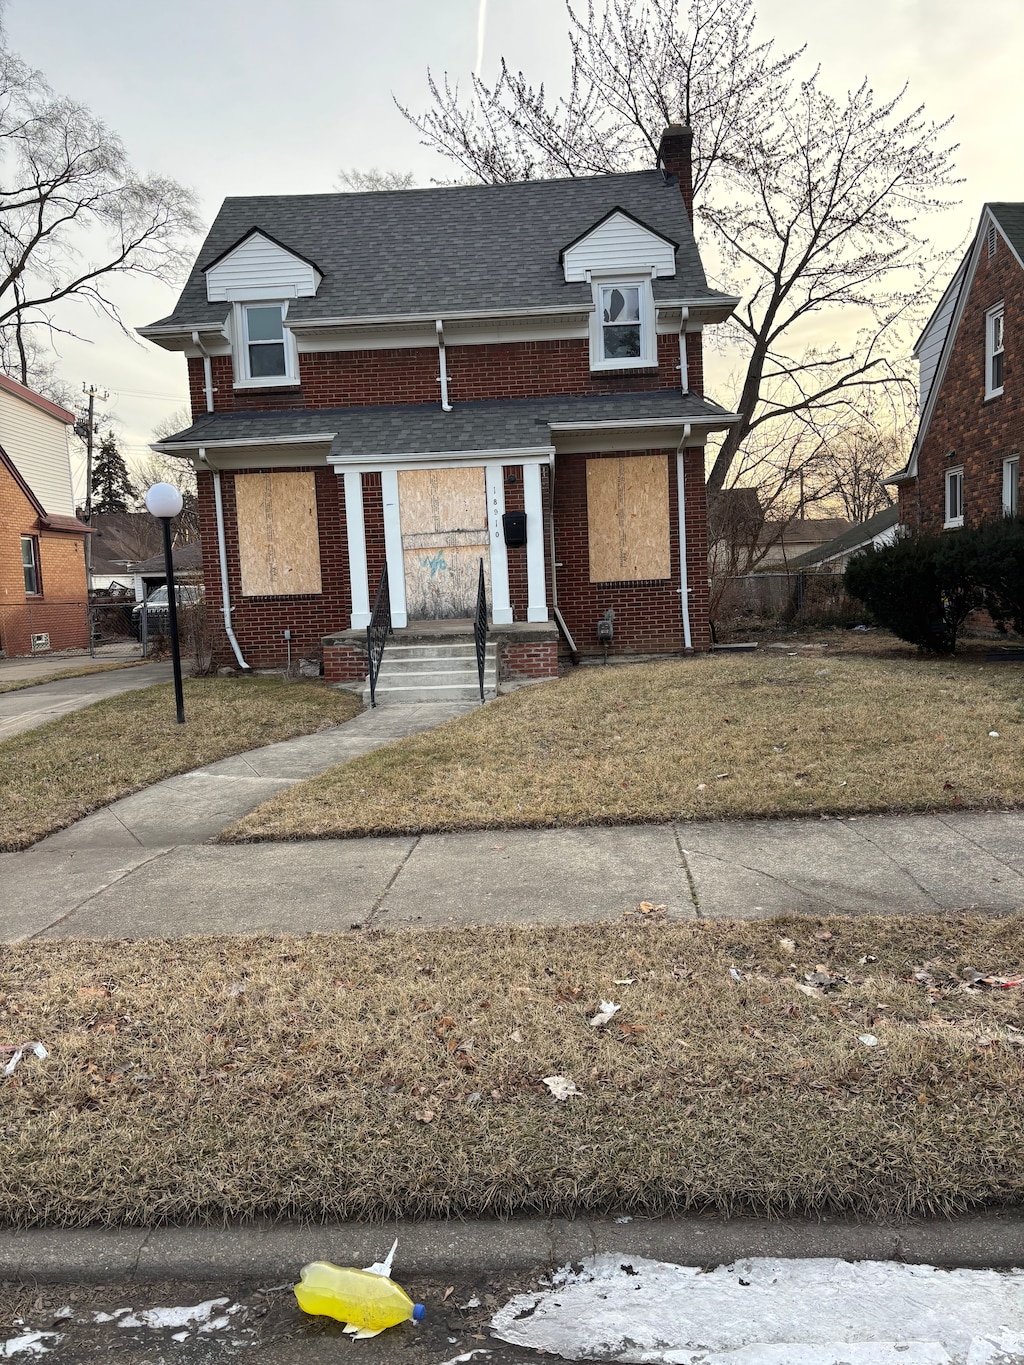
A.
pixel 444 536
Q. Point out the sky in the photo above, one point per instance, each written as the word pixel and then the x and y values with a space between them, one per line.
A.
pixel 250 97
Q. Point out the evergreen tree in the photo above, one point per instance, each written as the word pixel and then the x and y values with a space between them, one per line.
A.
pixel 112 487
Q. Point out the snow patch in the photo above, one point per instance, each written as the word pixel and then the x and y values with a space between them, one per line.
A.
pixel 198 1315
pixel 29 1344
pixel 771 1312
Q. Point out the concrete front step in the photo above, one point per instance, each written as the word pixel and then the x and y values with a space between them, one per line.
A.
pixel 388 692
pixel 434 671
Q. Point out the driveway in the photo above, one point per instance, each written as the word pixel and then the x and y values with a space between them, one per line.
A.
pixel 33 706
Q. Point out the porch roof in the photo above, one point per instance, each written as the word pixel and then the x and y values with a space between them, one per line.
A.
pixel 523 425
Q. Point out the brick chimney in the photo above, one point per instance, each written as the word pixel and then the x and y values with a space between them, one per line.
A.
pixel 674 156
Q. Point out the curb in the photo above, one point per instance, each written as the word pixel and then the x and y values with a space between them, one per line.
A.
pixel 276 1251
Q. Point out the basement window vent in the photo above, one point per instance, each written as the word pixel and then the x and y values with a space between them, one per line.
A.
pixel 40 644
pixel 992 239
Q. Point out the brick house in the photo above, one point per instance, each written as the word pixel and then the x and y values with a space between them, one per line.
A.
pixel 965 463
pixel 381 379
pixel 43 592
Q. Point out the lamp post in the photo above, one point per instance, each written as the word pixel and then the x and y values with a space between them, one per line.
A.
pixel 164 501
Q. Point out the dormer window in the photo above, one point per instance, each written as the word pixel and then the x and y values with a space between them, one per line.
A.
pixel 264 341
pixel 622 334
pixel 265 349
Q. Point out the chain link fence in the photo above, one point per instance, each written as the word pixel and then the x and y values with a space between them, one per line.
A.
pixel 792 599
pixel 105 628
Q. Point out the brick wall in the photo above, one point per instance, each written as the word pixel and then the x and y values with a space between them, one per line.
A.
pixel 648 614
pixel 966 429
pixel 60 610
pixel 521 660
pixel 528 369
pixel 259 622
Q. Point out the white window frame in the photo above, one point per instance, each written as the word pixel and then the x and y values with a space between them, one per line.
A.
pixel 951 521
pixel 1011 486
pixel 240 348
pixel 648 357
pixel 33 543
pixel 994 322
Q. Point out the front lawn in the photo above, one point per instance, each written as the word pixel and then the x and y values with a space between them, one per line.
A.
pixel 821 731
pixel 794 1067
pixel 58 772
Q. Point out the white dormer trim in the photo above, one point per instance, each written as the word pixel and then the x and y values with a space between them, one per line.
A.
pixel 259 268
pixel 619 244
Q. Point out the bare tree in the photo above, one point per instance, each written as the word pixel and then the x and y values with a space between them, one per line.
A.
pixel 374 179
pixel 809 206
pixel 74 214
pixel 858 459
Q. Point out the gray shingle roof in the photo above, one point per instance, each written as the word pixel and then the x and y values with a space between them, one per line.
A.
pixel 1010 218
pixel 462 248
pixel 852 539
pixel 419 428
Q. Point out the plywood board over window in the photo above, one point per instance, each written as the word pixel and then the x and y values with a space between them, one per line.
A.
pixel 278 538
pixel 628 518
pixel 444 538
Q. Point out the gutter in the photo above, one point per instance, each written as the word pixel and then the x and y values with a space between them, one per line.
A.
pixel 207 370
pixel 223 558
pixel 684 586
pixel 443 361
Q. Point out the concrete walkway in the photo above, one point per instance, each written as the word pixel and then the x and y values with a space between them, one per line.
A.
pixel 108 878
pixel 32 706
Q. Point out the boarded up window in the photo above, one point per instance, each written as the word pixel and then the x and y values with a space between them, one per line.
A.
pixel 627 518
pixel 278 541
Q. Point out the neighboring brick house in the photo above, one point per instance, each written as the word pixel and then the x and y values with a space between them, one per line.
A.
pixel 965 464
pixel 381 379
pixel 43 595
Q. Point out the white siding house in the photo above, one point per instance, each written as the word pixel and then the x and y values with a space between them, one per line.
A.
pixel 34 433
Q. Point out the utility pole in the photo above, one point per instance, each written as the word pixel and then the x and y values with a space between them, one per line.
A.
pixel 92 393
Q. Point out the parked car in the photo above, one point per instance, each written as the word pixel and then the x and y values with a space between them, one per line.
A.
pixel 155 608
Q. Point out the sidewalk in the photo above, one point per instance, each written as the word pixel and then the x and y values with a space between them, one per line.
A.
pixel 102 879
pixel 32 706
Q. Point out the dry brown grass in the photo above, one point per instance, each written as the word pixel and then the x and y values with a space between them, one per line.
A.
pixel 873 728
pixel 400 1074
pixel 58 772
pixel 19 684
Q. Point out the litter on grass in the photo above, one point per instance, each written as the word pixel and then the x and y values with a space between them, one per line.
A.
pixel 19 1052
pixel 772 1311
pixel 561 1087
pixel 605 1014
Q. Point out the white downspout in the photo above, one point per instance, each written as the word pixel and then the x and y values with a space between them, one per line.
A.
pixel 223 556
pixel 443 376
pixel 207 370
pixel 684 588
pixel 684 366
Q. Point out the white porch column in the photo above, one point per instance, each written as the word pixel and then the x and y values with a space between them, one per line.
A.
pixel 355 530
pixel 684 586
pixel 501 602
pixel 393 548
pixel 537 604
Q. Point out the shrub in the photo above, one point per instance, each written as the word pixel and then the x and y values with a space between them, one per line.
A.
pixel 999 556
pixel 921 587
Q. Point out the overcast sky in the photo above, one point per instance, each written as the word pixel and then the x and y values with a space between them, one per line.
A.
pixel 248 97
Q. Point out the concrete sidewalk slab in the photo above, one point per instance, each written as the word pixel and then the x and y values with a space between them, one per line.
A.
pixel 40 888
pixel 33 706
pixel 568 876
pixel 255 889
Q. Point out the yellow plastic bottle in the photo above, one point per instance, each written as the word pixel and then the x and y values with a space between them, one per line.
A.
pixel 365 1302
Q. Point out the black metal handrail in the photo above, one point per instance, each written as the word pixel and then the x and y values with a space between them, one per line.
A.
pixel 378 630
pixel 480 628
